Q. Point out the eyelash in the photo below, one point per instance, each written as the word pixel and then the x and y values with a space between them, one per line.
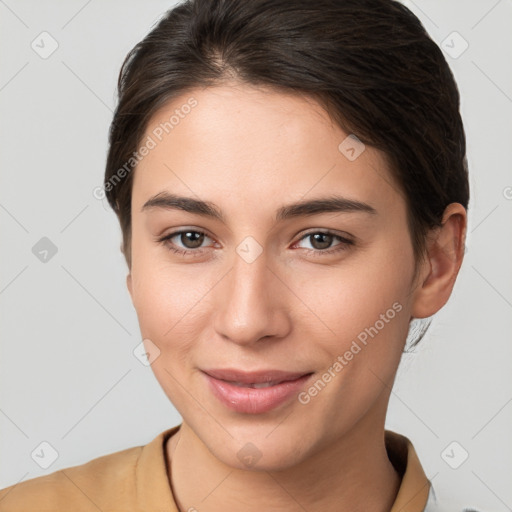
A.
pixel 342 246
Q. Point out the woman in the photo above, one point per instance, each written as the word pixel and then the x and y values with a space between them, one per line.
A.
pixel 291 183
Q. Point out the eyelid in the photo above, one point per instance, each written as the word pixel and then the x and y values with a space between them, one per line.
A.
pixel 185 229
pixel 345 241
pixel 172 234
pixel 327 231
pixel 311 231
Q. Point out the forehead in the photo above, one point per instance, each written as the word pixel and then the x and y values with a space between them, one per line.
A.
pixel 259 145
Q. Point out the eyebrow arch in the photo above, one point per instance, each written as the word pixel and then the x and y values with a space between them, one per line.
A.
pixel 340 204
pixel 324 205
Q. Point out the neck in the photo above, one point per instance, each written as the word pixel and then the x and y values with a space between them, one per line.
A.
pixel 352 474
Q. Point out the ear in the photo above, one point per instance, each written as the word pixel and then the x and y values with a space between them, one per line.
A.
pixel 445 254
pixel 129 284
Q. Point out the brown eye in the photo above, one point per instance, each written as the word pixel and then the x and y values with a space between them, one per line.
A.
pixel 191 239
pixel 321 240
pixel 185 242
pixel 322 243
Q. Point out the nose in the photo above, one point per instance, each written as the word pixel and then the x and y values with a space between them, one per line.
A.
pixel 251 303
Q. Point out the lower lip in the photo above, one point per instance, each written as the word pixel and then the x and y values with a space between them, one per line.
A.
pixel 255 400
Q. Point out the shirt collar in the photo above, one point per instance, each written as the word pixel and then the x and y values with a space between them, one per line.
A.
pixel 414 489
pixel 154 492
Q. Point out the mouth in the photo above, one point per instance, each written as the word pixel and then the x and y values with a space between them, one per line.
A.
pixel 255 392
pixel 256 385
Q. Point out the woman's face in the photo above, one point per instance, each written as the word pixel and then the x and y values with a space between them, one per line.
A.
pixel 260 288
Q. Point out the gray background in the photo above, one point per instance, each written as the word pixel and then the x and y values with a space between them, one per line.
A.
pixel 68 373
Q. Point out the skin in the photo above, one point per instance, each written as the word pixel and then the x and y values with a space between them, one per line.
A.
pixel 250 151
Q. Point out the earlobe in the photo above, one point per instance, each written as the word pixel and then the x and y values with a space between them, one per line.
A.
pixel 129 284
pixel 445 255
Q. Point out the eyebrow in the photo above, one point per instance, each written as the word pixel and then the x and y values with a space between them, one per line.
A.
pixel 167 201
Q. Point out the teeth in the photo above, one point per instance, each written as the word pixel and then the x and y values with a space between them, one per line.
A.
pixel 263 384
pixel 255 385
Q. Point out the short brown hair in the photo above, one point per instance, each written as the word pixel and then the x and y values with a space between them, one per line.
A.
pixel 369 63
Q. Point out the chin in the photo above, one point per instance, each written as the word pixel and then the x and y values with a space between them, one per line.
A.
pixel 256 450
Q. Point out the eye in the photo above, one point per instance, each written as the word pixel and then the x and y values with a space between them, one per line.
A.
pixel 322 240
pixel 190 238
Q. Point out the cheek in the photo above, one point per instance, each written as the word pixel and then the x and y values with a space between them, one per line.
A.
pixel 166 310
pixel 365 307
pixel 170 302
pixel 357 294
pixel 369 328
pixel 367 317
pixel 160 294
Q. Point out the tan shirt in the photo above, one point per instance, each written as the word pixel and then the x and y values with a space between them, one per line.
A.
pixel 136 479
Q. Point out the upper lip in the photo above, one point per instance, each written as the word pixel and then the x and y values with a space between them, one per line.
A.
pixel 257 377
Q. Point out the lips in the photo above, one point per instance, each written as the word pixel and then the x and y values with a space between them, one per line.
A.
pixel 256 385
pixel 254 392
pixel 261 378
